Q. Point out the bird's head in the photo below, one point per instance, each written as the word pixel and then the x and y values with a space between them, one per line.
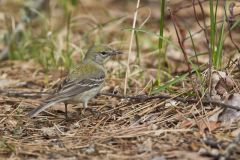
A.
pixel 100 54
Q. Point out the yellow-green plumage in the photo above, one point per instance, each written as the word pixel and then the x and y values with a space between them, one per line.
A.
pixel 86 69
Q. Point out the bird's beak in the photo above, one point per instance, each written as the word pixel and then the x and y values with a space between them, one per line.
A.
pixel 115 52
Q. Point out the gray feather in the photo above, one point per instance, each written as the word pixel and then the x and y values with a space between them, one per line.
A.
pixel 42 107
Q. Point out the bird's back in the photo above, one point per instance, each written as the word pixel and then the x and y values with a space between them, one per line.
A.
pixel 86 70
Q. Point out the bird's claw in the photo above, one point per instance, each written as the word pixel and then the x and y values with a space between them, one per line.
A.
pixel 93 112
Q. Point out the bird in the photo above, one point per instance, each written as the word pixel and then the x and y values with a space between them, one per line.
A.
pixel 83 82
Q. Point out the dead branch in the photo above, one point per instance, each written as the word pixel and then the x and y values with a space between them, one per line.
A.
pixel 143 98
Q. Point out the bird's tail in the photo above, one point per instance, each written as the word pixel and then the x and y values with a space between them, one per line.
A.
pixel 42 107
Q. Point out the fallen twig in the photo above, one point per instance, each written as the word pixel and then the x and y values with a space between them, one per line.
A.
pixel 143 98
pixel 25 94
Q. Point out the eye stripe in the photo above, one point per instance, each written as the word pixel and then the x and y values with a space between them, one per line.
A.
pixel 103 53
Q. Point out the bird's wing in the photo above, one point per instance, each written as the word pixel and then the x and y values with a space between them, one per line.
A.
pixel 75 86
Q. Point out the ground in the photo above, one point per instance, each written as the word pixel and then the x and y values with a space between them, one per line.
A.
pixel 166 112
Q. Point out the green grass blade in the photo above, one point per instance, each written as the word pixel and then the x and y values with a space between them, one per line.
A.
pixel 212 28
pixel 218 55
pixel 161 24
pixel 170 83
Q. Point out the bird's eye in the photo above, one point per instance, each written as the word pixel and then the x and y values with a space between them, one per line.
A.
pixel 103 53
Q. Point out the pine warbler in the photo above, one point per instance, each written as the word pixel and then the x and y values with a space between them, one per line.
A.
pixel 83 82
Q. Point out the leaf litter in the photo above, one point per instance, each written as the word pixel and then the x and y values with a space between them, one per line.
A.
pixel 139 130
pixel 156 129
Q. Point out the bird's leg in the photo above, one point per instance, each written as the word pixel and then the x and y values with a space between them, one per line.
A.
pixel 85 107
pixel 66 111
pixel 79 109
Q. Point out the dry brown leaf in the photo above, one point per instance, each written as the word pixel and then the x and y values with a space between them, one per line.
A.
pixel 186 123
pixel 204 124
pixel 222 84
pixel 228 116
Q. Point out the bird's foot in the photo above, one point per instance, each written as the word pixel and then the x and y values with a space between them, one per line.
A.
pixel 67 119
pixel 66 116
pixel 95 113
